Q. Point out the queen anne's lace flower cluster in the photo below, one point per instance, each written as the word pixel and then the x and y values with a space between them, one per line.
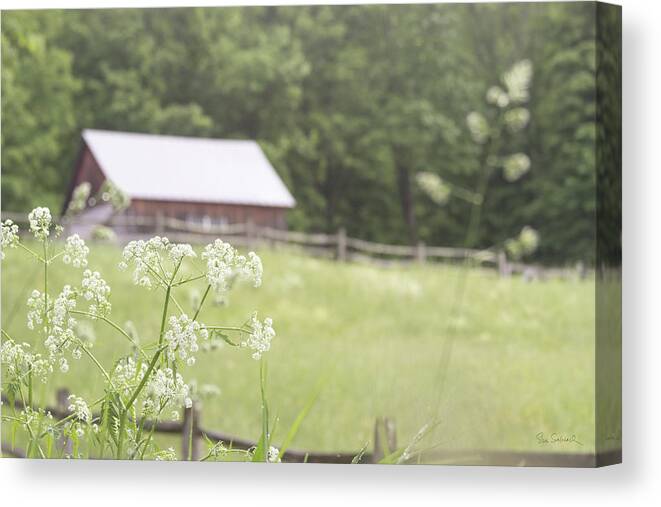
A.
pixel 179 251
pixel 61 329
pixel 252 269
pixel 79 408
pixel 64 303
pixel 478 127
pixel 58 340
pixel 517 118
pixel 496 95
pixel 19 361
pixel 83 414
pixel 517 81
pixel 96 290
pixel 9 236
pixel 437 190
pixel 224 263
pixel 36 309
pixel 148 259
pixel 259 339
pixel 126 376
pixel 515 166
pixel 182 337
pixel 40 223
pixel 525 244
pixel 75 252
pixel 164 388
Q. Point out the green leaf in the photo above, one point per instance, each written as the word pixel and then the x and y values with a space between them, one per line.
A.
pixel 293 430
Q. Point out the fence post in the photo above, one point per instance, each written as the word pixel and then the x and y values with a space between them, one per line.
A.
pixel 384 447
pixel 190 433
pixel 504 269
pixel 341 244
pixel 62 399
pixel 421 252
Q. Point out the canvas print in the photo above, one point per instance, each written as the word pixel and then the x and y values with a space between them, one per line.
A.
pixel 365 234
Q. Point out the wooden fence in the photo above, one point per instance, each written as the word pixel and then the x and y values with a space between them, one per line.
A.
pixel 192 435
pixel 337 246
pixel 385 440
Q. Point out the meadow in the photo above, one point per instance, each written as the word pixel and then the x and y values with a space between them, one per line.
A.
pixel 370 338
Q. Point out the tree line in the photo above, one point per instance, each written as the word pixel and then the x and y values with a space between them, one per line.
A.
pixel 349 103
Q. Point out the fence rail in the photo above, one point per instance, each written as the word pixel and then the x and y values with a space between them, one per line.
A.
pixel 338 246
pixel 385 441
pixel 192 434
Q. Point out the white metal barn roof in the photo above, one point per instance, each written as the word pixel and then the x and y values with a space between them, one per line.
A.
pixel 172 168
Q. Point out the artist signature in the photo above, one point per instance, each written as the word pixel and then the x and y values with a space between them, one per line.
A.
pixel 556 438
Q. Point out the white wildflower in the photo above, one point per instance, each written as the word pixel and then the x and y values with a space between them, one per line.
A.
pixel 253 269
pixel 40 223
pixel 60 332
pixel 127 375
pixel 517 118
pixel 165 388
pixel 148 259
pixel 9 236
pixel 259 339
pixel 524 244
pixel 517 81
pixel 224 264
pixel 515 166
pixel 478 126
pixel 79 408
pixel 179 251
pixel 58 340
pixel 437 190
pixel 182 336
pixel 220 257
pixel 64 365
pixel 75 252
pixel 36 308
pixel 19 361
pixel 496 95
pixel 64 303
pixel 529 239
pixel 273 455
pixel 95 289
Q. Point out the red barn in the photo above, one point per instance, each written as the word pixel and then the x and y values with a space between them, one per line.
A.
pixel 200 180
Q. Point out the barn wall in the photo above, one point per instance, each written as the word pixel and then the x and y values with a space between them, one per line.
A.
pixel 215 213
pixel 86 170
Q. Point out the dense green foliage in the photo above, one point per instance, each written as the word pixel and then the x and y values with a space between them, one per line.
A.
pixel 349 103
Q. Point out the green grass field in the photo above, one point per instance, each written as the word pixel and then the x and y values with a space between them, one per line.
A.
pixel 522 361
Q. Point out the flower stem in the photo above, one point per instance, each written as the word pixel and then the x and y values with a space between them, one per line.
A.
pixel 113 325
pixel 199 308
